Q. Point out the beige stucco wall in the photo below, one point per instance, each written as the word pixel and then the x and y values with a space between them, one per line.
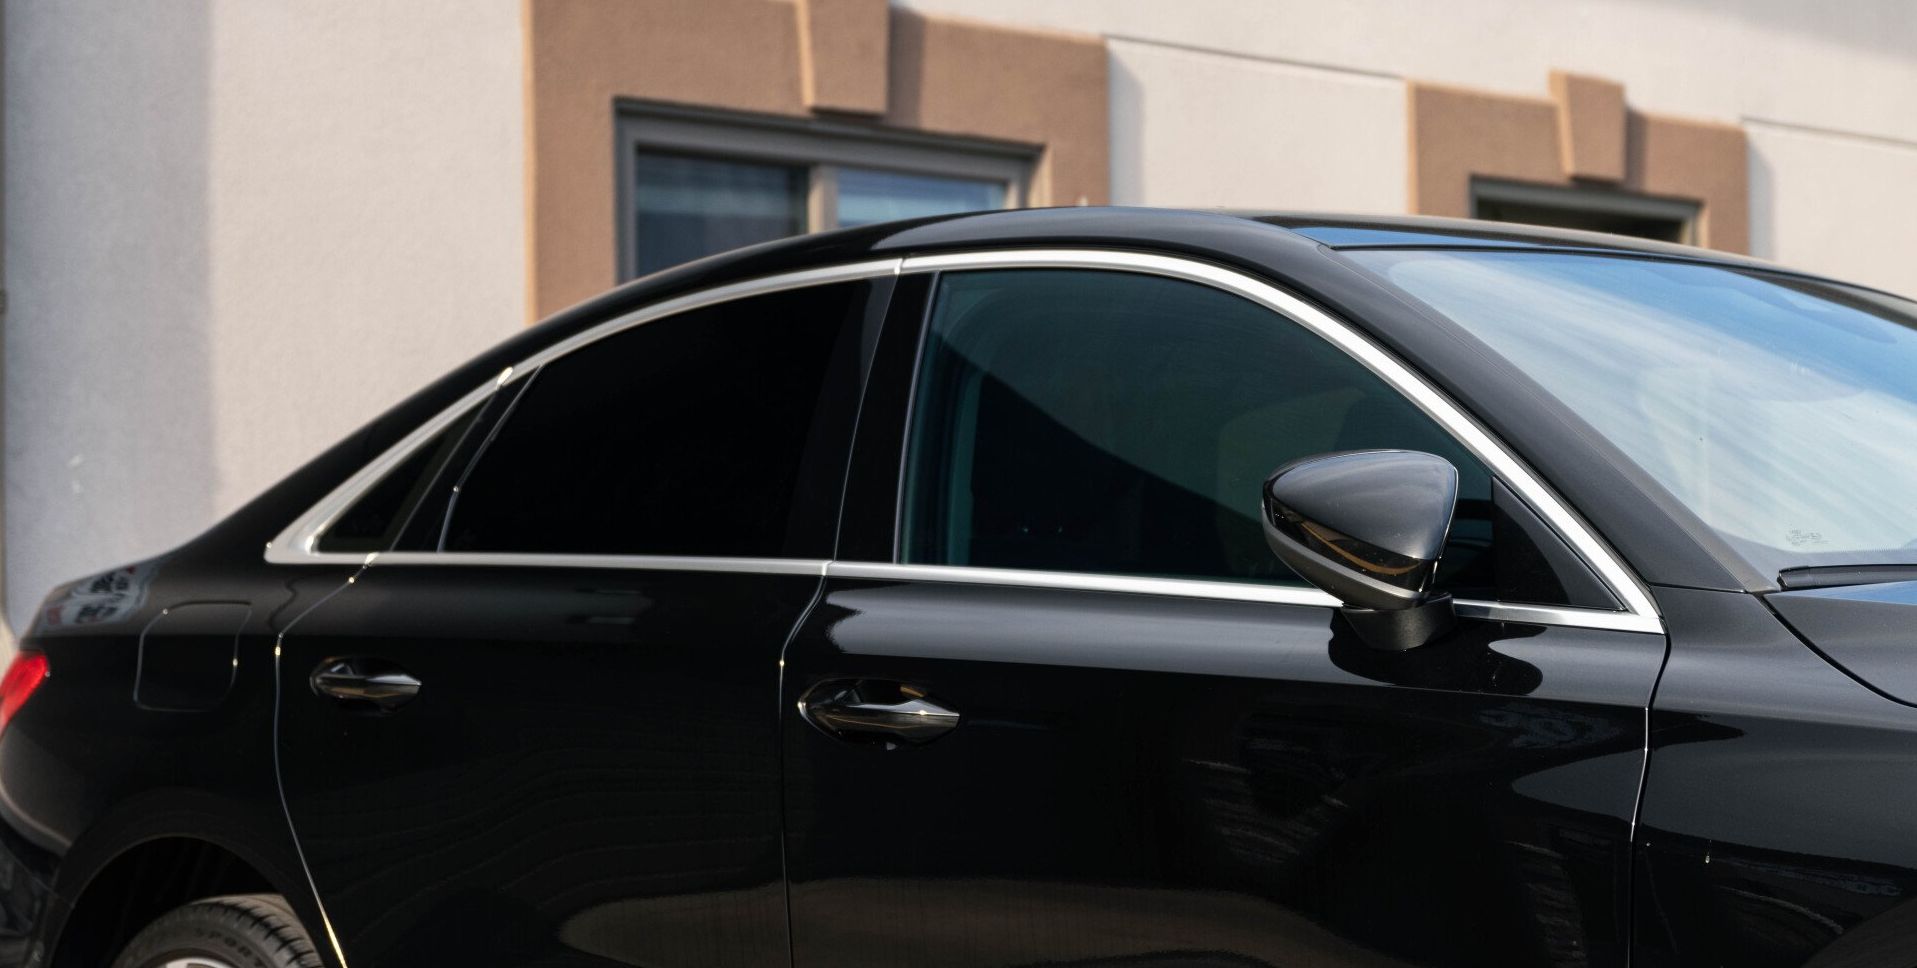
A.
pixel 236 231
pixel 1203 129
pixel 1831 203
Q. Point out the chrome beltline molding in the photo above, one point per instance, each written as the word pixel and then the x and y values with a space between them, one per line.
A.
pixel 749 566
pixel 297 543
pixel 1128 584
pixel 1590 618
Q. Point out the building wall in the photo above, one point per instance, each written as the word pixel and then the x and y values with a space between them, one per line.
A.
pixel 235 232
pixel 1290 87
pixel 1202 129
pixel 932 76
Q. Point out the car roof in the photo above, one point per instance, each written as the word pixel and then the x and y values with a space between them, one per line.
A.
pixel 1343 231
pixel 1218 233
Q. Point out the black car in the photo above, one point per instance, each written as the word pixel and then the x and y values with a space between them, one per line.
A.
pixel 1087 587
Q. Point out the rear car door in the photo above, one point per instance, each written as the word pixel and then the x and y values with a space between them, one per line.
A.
pixel 1058 704
pixel 540 728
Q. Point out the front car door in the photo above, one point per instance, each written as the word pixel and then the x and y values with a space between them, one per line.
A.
pixel 539 728
pixel 1059 705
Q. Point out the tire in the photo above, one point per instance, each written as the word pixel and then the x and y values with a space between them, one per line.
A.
pixel 238 931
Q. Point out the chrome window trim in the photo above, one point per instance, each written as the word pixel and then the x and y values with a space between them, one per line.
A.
pixel 1589 618
pixel 298 543
pixel 501 559
pixel 295 545
pixel 1640 612
pixel 761 286
pixel 1083 581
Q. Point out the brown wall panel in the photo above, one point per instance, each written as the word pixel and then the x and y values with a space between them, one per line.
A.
pixel 1458 134
pixel 943 76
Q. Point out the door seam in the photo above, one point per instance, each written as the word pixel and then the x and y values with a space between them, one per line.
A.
pixel 779 746
pixel 279 776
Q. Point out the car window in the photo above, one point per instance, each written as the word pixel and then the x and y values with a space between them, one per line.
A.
pixel 375 521
pixel 1779 410
pixel 719 431
pixel 1095 421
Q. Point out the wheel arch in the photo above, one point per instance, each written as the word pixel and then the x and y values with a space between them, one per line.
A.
pixel 142 883
pixel 156 854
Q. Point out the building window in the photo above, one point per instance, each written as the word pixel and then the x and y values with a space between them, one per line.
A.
pixel 693 183
pixel 1590 209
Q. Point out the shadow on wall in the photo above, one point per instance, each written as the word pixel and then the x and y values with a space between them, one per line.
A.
pixel 108 410
pixel 1129 131
pixel 1763 181
pixel 1880 28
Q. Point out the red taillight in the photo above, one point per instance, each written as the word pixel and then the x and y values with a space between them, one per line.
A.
pixel 24 675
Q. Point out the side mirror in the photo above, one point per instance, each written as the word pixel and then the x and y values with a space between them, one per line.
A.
pixel 1368 526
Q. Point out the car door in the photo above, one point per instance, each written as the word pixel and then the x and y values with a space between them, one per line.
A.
pixel 541 729
pixel 1058 704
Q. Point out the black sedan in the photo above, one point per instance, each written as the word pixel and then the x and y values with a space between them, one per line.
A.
pixel 1085 587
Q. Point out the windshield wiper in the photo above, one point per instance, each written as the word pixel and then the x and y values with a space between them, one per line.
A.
pixel 1833 576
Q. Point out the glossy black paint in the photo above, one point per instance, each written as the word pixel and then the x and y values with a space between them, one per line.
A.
pixel 594 770
pixel 1776 827
pixel 588 776
pixel 93 771
pixel 1144 780
pixel 1367 526
pixel 1867 630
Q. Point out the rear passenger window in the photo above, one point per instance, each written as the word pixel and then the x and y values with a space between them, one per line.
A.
pixel 1089 421
pixel 721 431
pixel 374 523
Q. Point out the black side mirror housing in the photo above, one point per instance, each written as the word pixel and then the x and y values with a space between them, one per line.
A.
pixel 1368 526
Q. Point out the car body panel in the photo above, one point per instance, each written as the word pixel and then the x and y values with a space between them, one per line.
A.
pixel 1869 631
pixel 588 776
pixel 1142 779
pixel 1776 827
pixel 87 773
pixel 1770 832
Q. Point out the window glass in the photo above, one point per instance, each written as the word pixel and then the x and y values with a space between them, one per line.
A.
pixel 685 208
pixel 867 196
pixel 1779 410
pixel 1117 423
pixel 375 521
pixel 720 431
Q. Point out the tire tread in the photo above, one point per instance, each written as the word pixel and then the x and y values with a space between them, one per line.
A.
pixel 265 919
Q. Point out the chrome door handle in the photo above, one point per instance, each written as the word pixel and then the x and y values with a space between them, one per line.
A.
pixel 881 713
pixel 362 680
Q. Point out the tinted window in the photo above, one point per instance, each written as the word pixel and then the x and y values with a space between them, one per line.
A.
pixel 374 522
pixel 720 431
pixel 1106 422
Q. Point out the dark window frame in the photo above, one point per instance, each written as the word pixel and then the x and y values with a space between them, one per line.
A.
pixel 1491 196
pixel 820 146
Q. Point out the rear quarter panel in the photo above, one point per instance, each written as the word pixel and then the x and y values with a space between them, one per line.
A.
pixel 87 773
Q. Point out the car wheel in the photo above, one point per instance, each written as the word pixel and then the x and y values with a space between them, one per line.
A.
pixel 239 931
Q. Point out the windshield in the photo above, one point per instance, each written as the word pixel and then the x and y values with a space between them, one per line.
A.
pixel 1782 411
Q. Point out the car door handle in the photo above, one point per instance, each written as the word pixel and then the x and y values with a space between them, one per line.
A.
pixel 881 713
pixel 359 680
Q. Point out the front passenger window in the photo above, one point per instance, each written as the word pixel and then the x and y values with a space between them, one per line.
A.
pixel 1098 421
